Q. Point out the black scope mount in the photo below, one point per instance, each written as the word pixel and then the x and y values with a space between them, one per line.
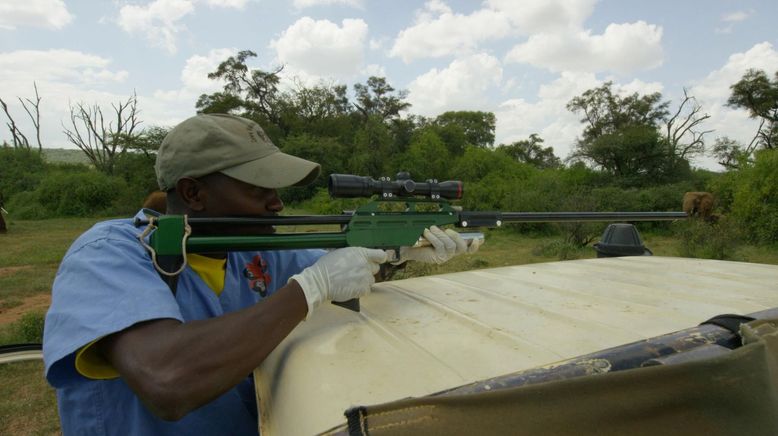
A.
pixel 349 186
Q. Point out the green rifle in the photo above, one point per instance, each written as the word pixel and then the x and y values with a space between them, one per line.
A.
pixel 377 224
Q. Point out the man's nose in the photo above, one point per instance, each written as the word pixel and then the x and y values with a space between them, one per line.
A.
pixel 275 204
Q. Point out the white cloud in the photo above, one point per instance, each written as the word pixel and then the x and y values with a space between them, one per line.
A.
pixel 440 32
pixel 533 16
pixel 713 91
pixel 25 66
pixel 374 70
pixel 62 76
pixel 548 115
pixel 302 4
pixel 157 21
pixel 731 19
pixel 322 48
pixel 236 4
pixel 49 14
pixel 460 86
pixel 736 16
pixel 622 48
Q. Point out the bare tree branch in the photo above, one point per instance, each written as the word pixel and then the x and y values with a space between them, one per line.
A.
pixel 18 138
pixel 102 142
pixel 683 124
pixel 36 119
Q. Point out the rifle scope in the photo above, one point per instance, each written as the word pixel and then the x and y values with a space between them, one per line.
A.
pixel 347 185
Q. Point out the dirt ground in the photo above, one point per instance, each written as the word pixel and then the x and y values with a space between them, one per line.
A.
pixel 34 302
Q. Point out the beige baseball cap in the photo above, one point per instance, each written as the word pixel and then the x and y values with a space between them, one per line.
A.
pixel 232 145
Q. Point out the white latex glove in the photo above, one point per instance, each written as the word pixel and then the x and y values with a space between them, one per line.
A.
pixel 443 246
pixel 340 275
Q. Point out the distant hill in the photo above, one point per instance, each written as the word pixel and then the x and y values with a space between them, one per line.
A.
pixel 65 155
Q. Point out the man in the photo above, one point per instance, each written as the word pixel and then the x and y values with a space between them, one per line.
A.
pixel 128 356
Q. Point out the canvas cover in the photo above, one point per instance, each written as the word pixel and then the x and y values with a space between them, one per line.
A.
pixel 734 393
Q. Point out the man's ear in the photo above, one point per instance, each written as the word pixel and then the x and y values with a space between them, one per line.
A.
pixel 192 193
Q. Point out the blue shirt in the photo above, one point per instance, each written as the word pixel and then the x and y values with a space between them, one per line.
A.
pixel 106 283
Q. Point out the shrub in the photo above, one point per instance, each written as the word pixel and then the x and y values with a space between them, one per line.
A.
pixel 20 170
pixel 79 194
pixel 755 199
pixel 708 241
pixel 27 329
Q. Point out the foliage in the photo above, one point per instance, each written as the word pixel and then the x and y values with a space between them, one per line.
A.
pixel 327 152
pixel 755 198
pixel 560 249
pixel 622 137
pixel 27 329
pixel 707 241
pixel 758 94
pixel 531 151
pixel 477 127
pixel 426 158
pixel 86 193
pixel 377 98
pixel 21 169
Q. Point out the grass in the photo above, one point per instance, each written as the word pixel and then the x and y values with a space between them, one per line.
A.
pixel 31 251
pixel 27 403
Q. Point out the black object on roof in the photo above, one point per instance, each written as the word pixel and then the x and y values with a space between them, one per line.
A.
pixel 621 240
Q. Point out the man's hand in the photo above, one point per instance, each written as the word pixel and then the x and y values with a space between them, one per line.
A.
pixel 443 246
pixel 340 275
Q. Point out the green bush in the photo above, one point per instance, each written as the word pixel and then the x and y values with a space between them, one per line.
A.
pixel 322 204
pixel 20 170
pixel 755 198
pixel 26 206
pixel 27 329
pixel 79 194
pixel 708 241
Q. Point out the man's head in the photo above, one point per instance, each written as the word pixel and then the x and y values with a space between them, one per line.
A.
pixel 209 159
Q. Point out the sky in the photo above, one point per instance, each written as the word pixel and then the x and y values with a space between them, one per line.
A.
pixel 521 59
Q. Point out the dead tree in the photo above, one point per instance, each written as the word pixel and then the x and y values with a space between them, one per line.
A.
pixel 33 111
pixel 684 123
pixel 103 141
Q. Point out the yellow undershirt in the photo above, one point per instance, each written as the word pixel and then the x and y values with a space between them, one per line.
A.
pixel 91 364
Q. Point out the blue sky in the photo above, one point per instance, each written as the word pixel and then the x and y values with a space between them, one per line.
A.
pixel 523 60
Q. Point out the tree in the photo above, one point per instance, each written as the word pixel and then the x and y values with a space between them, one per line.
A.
pixel 622 136
pixel 426 158
pixel 103 141
pixel 478 127
pixel 682 128
pixel 33 111
pixel 730 153
pixel 531 151
pixel 756 93
pixel 252 93
pixel 377 98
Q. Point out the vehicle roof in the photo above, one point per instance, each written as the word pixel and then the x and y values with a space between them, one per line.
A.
pixel 418 336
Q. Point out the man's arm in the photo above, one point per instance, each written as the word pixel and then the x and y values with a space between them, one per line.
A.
pixel 177 367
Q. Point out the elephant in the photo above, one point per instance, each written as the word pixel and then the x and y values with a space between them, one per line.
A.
pixel 157 201
pixel 698 204
pixel 3 228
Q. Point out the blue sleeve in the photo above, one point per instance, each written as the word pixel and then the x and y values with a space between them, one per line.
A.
pixel 105 284
pixel 283 264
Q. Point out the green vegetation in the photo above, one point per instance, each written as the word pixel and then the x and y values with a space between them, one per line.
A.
pixel 633 155
pixel 27 403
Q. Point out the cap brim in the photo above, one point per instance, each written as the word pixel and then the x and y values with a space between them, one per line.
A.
pixel 278 170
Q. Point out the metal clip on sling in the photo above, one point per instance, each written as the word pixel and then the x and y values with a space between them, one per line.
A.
pixel 170 230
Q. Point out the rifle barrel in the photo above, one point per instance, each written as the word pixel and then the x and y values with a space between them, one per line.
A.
pixel 530 217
